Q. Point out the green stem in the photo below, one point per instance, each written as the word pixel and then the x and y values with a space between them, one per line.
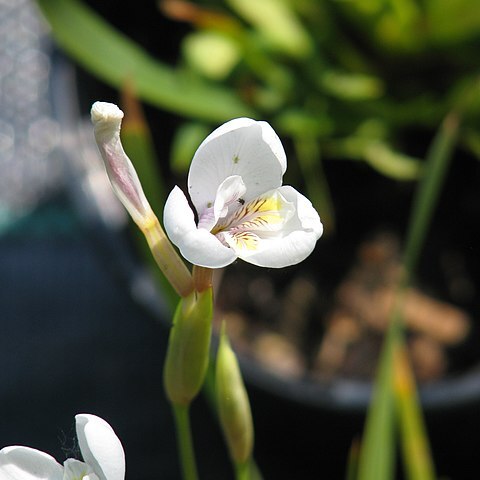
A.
pixel 243 471
pixel 185 443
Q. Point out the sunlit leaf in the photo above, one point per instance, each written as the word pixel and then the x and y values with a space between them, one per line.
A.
pixel 212 54
pixel 391 163
pixel 278 23
pixel 351 86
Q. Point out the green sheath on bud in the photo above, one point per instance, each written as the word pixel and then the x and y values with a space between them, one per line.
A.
pixel 232 403
pixel 188 347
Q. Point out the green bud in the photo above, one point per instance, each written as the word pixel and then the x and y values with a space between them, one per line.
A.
pixel 232 403
pixel 188 347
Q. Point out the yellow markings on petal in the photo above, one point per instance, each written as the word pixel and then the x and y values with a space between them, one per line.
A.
pixel 242 241
pixel 263 213
pixel 262 217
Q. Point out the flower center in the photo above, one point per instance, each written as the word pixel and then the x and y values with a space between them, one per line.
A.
pixel 261 218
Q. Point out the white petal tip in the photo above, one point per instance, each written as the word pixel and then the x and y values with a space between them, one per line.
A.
pixel 105 112
pixel 101 448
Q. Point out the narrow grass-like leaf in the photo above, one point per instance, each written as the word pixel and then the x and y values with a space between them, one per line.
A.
pixel 438 160
pixel 378 444
pixel 415 446
pixel 113 57
pixel 377 455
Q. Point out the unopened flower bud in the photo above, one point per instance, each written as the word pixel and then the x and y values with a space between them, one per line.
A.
pixel 107 119
pixel 233 404
pixel 188 347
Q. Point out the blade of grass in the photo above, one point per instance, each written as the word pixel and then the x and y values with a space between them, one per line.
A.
pixel 376 458
pixel 113 57
pixel 414 439
pixel 438 160
pixel 377 455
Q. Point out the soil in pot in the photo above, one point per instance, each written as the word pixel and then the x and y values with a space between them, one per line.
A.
pixel 326 318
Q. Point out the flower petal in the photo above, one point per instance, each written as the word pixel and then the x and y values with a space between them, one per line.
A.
pixel 197 245
pixel 100 447
pixel 229 191
pixel 75 469
pixel 242 147
pixel 24 463
pixel 298 237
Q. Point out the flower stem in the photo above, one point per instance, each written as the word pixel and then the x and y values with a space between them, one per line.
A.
pixel 202 278
pixel 167 258
pixel 242 470
pixel 185 442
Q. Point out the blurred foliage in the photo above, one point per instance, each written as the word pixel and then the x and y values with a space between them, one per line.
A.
pixel 354 76
pixel 345 79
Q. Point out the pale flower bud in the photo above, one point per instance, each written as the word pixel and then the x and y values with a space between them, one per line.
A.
pixel 107 119
pixel 188 347
pixel 233 404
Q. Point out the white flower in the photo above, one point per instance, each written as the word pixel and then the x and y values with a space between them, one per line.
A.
pixel 243 211
pixel 101 449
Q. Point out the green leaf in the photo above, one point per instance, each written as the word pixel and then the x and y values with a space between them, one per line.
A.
pixel 114 58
